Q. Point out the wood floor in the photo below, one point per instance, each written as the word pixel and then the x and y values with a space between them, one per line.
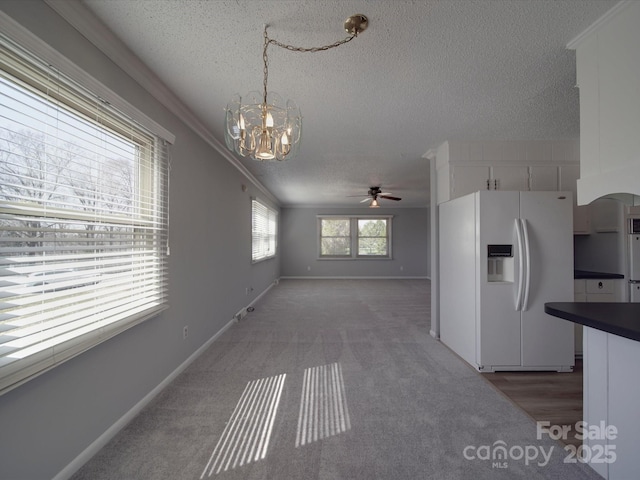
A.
pixel 551 396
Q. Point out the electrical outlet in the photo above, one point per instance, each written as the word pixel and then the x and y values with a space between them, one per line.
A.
pixel 185 332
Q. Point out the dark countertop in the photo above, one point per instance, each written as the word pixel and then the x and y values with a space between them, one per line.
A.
pixel 622 319
pixel 580 274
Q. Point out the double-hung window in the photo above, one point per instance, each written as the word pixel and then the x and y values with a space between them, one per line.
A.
pixel 349 237
pixel 83 218
pixel 264 231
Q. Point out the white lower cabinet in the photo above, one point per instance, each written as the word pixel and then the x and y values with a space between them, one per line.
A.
pixel 611 399
pixel 594 290
pixel 601 290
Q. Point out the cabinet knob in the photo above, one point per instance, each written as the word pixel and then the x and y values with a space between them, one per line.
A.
pixel 600 285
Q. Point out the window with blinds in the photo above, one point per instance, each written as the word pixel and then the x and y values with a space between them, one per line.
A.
pixel 83 219
pixel 264 231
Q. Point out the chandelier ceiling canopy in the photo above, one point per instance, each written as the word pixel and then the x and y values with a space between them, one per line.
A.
pixel 263 126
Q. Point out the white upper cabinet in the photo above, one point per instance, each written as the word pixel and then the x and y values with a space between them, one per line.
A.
pixel 608 73
pixel 544 178
pixel 569 175
pixel 466 167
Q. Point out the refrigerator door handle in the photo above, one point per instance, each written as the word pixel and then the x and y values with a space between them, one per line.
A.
pixel 527 262
pixel 521 253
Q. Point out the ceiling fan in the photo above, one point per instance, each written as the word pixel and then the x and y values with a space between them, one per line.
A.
pixel 374 194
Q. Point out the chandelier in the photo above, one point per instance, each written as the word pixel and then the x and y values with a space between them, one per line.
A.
pixel 263 126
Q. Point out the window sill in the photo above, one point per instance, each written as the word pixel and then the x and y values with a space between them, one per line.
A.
pixel 353 258
pixel 260 260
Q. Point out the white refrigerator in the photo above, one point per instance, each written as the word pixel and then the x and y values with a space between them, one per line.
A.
pixel 634 260
pixel 503 255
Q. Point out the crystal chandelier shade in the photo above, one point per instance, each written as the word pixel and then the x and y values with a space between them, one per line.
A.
pixel 263 126
pixel 263 131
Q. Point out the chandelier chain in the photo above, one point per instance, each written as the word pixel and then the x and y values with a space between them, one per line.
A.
pixel 312 49
pixel 291 48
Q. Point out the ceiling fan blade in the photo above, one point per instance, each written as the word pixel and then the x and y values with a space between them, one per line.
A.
pixel 389 198
pixel 368 199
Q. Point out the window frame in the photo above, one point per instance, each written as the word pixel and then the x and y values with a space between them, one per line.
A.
pixel 268 236
pixel 354 237
pixel 65 280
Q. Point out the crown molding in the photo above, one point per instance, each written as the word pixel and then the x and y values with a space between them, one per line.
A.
pixel 96 32
pixel 26 39
pixel 595 26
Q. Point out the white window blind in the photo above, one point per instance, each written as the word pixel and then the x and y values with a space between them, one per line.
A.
pixel 83 219
pixel 264 231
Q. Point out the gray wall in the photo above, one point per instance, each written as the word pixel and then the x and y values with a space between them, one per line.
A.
pixel 299 245
pixel 50 420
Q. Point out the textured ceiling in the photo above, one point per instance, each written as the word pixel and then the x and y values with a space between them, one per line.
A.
pixel 423 72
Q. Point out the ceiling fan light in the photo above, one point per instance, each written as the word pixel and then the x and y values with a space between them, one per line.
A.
pixel 374 204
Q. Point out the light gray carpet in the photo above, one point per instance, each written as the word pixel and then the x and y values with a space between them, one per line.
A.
pixel 330 380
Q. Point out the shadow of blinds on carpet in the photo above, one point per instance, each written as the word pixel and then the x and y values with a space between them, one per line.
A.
pixel 323 404
pixel 246 437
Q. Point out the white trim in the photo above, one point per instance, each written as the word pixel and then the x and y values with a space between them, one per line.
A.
pixel 96 32
pixel 353 215
pixel 42 50
pixel 113 430
pixel 575 43
pixel 376 277
pixel 354 237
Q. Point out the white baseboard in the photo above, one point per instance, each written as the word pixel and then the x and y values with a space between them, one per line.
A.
pixel 308 277
pixel 111 432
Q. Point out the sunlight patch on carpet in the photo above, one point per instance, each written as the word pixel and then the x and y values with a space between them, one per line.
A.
pixel 246 436
pixel 323 404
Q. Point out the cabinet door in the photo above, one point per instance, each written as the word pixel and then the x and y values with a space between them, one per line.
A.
pixel 595 382
pixel 468 179
pixel 510 178
pixel 544 178
pixel 624 393
pixel 587 75
pixel 618 94
pixel 569 175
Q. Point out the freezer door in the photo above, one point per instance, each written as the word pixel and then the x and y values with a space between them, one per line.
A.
pixel 548 341
pixel 498 340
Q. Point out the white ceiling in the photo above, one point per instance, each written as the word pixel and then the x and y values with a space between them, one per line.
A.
pixel 422 73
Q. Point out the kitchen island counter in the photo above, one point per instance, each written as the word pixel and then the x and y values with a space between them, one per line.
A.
pixel 622 319
pixel 610 394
